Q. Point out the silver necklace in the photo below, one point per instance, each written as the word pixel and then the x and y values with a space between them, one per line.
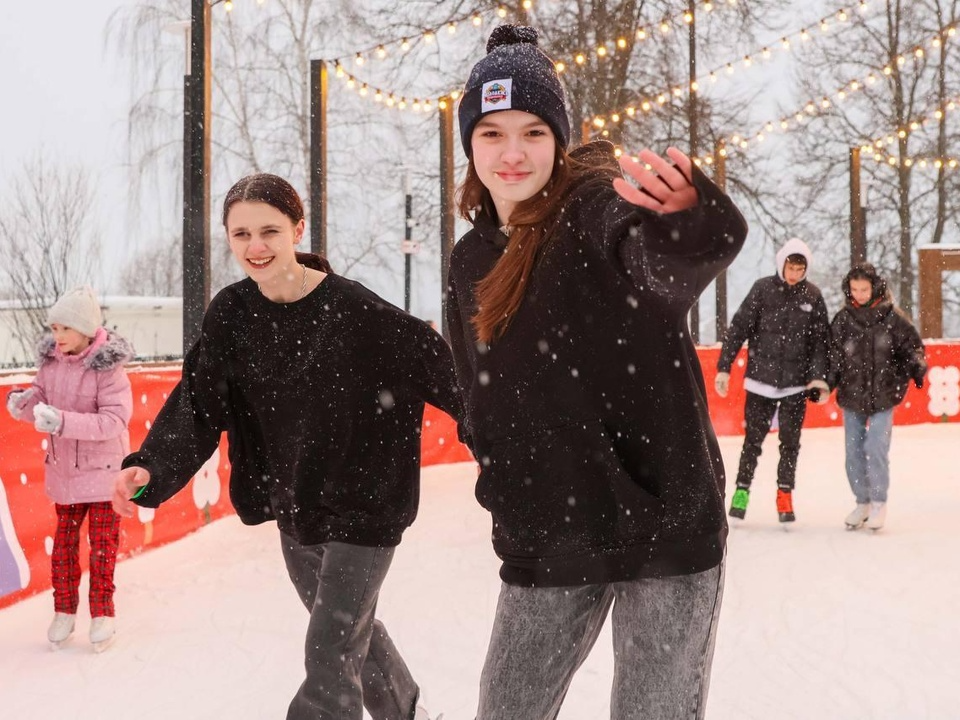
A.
pixel 303 282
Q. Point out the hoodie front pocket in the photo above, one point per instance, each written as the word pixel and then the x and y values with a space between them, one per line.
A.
pixel 562 491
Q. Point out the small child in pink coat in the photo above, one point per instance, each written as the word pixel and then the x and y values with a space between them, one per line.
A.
pixel 81 398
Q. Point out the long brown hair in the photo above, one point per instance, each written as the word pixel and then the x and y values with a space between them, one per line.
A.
pixel 279 194
pixel 533 221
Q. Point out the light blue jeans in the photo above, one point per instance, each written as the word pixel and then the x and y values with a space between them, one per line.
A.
pixel 867 440
pixel 664 632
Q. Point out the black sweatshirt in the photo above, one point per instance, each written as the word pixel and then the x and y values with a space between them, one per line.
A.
pixel 589 415
pixel 322 401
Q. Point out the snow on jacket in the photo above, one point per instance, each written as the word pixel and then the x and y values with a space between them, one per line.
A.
pixel 92 391
pixel 875 353
pixel 785 326
pixel 588 415
pixel 322 402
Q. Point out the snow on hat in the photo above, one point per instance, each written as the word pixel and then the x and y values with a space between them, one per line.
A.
pixel 77 309
pixel 514 75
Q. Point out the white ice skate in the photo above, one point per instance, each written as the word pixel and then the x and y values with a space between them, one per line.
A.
pixel 858 516
pixel 102 630
pixel 60 629
pixel 878 515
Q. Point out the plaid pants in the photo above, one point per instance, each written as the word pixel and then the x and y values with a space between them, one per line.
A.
pixel 104 533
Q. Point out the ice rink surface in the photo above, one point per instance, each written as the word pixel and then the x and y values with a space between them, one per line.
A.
pixel 817 622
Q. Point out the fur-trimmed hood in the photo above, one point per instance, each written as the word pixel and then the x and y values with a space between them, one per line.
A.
pixel 107 351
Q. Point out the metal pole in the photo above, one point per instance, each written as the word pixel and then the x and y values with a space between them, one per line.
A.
pixel 196 180
pixel 408 237
pixel 694 142
pixel 858 235
pixel 318 157
pixel 720 287
pixel 447 201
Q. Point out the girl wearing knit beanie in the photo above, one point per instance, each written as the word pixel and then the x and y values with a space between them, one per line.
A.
pixel 567 306
pixel 81 399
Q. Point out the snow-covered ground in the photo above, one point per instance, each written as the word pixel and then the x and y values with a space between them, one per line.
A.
pixel 817 622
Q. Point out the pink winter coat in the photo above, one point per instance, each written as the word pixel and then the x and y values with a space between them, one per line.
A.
pixel 93 392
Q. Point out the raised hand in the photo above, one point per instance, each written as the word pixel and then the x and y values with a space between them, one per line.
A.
pixel 665 188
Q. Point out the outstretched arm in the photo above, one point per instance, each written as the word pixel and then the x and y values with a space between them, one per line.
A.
pixel 679 230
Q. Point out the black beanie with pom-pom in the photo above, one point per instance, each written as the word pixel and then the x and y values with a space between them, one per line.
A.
pixel 514 75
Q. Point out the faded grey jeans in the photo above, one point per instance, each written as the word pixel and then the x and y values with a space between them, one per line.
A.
pixel 664 632
pixel 350 660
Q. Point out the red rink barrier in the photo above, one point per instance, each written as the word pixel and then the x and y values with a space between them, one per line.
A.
pixel 27 519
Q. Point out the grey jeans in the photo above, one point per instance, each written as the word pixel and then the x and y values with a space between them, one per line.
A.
pixel 664 632
pixel 351 662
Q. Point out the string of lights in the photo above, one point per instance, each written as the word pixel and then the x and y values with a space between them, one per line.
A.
pixel 401 101
pixel 603 50
pixel 646 104
pixel 821 106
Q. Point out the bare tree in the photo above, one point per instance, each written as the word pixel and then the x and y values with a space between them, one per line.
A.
pixel 50 240
pixel 906 69
pixel 156 271
pixel 261 110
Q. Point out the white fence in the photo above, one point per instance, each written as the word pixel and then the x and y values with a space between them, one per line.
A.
pixel 153 324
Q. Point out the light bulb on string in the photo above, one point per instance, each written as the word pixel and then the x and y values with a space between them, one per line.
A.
pixel 228 5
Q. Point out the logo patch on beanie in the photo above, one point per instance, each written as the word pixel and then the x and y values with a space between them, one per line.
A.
pixel 496 95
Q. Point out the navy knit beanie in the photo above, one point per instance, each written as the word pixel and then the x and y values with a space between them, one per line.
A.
pixel 515 75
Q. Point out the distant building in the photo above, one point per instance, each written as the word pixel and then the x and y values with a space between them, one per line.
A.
pixel 153 324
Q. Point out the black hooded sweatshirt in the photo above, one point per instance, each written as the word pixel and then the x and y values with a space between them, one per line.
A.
pixel 588 415
pixel 322 402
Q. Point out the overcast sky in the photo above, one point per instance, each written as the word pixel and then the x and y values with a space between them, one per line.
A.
pixel 63 95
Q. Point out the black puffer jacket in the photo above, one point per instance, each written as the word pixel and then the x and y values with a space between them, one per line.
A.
pixel 875 352
pixel 787 328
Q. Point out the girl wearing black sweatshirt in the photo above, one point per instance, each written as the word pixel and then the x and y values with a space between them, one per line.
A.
pixel 320 386
pixel 567 307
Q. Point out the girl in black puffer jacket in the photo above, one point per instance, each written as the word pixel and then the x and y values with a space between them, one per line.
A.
pixel 875 352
